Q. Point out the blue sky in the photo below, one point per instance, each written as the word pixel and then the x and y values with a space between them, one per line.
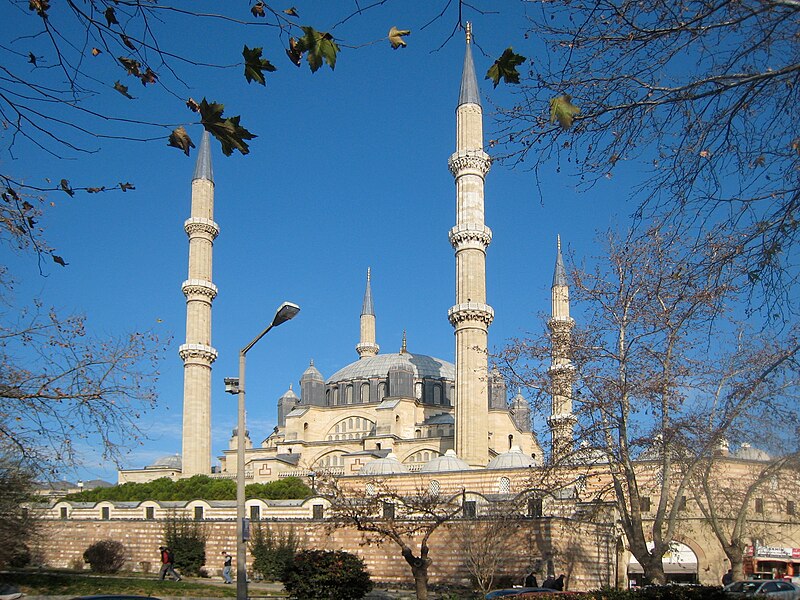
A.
pixel 349 171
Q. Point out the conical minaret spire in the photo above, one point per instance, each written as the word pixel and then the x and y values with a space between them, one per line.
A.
pixel 197 353
pixel 470 316
pixel 366 345
pixel 562 373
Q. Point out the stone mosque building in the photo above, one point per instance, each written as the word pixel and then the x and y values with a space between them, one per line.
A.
pixel 387 411
pixel 419 419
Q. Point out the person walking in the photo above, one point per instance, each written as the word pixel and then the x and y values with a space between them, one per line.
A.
pixel 227 566
pixel 167 563
pixel 549 582
pixel 558 583
pixel 530 580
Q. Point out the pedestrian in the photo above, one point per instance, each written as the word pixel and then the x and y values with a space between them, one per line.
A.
pixel 167 563
pixel 549 582
pixel 727 578
pixel 530 580
pixel 558 583
pixel 227 566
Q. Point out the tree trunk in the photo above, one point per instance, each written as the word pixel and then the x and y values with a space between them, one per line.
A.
pixel 654 571
pixel 737 563
pixel 419 569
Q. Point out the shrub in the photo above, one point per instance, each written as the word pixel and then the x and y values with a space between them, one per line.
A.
pixel 325 575
pixel 187 539
pixel 272 553
pixel 105 556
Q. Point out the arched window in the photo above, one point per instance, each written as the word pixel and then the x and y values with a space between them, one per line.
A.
pixel 348 394
pixel 434 487
pixel 381 391
pixel 437 394
pixel 504 485
pixel 364 393
pixel 418 390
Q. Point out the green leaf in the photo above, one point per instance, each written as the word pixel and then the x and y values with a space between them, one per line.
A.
pixel 123 89
pixel 254 65
pixel 320 46
pixel 180 139
pixel 396 37
pixel 505 67
pixel 563 110
pixel 230 134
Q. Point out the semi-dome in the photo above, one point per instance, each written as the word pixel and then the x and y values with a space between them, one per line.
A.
pixel 171 461
pixel 384 466
pixel 515 458
pixel 447 462
pixel 747 452
pixel 378 366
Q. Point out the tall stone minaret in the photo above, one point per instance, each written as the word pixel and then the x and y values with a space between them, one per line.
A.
pixel 197 353
pixel 366 345
pixel 562 372
pixel 470 316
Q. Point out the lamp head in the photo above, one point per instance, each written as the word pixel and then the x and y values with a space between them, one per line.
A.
pixel 285 312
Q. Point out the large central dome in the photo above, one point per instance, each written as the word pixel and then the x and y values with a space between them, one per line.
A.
pixel 427 367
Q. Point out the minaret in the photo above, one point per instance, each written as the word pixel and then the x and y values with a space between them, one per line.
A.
pixel 367 346
pixel 562 373
pixel 197 353
pixel 470 316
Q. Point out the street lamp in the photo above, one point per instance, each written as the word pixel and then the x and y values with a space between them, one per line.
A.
pixel 285 312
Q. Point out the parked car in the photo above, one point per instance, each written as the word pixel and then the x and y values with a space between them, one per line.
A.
pixel 770 589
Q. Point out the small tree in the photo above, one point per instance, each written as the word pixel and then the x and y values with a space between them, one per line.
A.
pixel 327 575
pixel 17 526
pixel 187 539
pixel 386 514
pixel 105 556
pixel 272 553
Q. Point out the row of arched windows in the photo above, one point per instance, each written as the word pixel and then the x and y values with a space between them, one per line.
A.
pixel 360 393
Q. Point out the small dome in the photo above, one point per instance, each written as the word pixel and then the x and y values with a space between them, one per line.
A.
pixel 312 373
pixel 290 395
pixel 747 452
pixel 513 459
pixel 447 462
pixel 171 461
pixel 384 466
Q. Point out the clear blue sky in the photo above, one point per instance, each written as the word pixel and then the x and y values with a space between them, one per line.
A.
pixel 349 171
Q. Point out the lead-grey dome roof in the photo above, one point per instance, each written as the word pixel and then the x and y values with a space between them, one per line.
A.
pixel 171 461
pixel 384 466
pixel 378 366
pixel 513 459
pixel 447 462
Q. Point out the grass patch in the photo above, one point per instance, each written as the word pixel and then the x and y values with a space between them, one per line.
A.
pixel 85 584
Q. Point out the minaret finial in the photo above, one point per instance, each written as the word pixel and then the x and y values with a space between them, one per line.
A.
pixel 369 273
pixel 403 344
pixel 468 30
pixel 558 237
pixel 469 82
pixel 202 168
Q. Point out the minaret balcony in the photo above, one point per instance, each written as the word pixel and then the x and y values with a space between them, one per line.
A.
pixel 470 235
pixel 199 288
pixel 367 348
pixel 471 311
pixel 464 162
pixel 200 226
pixel 197 353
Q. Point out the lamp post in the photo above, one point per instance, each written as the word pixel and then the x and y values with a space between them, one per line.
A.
pixel 285 312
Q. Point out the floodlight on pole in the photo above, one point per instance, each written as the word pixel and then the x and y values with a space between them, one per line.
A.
pixel 285 312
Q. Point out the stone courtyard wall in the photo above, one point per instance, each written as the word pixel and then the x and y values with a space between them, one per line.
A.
pixel 585 552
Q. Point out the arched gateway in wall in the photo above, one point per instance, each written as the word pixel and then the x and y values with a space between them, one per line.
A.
pixel 680 565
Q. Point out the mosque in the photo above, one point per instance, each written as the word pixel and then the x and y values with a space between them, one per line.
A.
pixel 385 412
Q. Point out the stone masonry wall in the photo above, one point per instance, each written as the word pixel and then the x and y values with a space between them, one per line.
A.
pixel 582 551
